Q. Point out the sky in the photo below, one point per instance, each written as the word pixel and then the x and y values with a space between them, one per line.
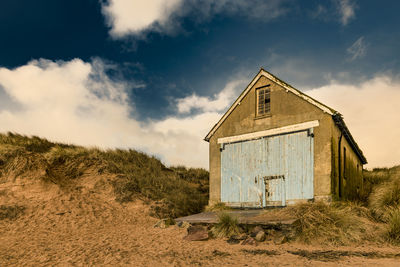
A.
pixel 156 75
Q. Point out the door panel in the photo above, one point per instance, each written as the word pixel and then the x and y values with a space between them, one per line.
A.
pixel 241 183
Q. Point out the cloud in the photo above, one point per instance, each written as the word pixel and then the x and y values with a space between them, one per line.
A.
pixel 219 103
pixel 76 102
pixel 358 49
pixel 136 17
pixel 319 12
pixel 371 112
pixel 346 10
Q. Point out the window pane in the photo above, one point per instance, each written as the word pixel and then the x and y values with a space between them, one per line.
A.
pixel 263 101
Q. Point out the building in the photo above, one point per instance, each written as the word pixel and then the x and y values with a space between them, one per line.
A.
pixel 276 146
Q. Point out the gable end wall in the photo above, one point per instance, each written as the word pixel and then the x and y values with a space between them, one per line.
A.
pixel 286 109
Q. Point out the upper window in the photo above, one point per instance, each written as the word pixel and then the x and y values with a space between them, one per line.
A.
pixel 263 101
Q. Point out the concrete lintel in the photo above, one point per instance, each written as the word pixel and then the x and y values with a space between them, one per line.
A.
pixel 259 134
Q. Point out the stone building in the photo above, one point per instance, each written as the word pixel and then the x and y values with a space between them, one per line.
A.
pixel 276 146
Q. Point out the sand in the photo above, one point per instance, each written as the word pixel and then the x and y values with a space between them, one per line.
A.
pixel 85 226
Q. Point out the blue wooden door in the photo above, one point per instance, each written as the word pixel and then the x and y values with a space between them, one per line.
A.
pixel 270 171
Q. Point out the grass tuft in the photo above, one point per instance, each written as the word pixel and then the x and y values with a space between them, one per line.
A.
pixel 227 226
pixel 385 197
pixel 335 224
pixel 219 206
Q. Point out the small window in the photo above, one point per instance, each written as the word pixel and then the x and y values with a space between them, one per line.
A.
pixel 263 101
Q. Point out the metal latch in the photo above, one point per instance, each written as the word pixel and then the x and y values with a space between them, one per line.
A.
pixel 273 177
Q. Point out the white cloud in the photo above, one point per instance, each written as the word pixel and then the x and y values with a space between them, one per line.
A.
pixel 219 103
pixel 76 102
pixel 346 11
pixel 133 17
pixel 358 49
pixel 371 111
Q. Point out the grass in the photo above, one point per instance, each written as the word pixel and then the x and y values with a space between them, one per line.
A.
pixel 179 191
pixel 175 191
pixel 31 144
pixel 371 180
pixel 393 231
pixel 385 196
pixel 219 206
pixel 335 224
pixel 227 226
pixel 375 218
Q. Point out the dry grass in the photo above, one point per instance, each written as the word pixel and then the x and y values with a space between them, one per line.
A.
pixel 227 226
pixel 335 224
pixel 385 197
pixel 178 191
pixel 218 207
pixel 375 219
pixel 371 180
pixel 393 231
pixel 31 144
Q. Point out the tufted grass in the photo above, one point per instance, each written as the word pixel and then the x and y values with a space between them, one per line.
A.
pixel 175 191
pixel 227 226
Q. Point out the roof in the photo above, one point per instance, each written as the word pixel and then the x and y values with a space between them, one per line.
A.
pixel 337 117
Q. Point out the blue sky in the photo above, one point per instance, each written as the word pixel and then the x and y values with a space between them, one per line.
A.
pixel 149 74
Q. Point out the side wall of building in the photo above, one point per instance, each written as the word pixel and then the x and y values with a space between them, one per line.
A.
pixel 350 183
pixel 286 109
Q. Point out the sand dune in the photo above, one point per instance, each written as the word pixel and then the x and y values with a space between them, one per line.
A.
pixel 85 226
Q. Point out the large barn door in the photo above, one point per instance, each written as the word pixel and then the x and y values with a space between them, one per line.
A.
pixel 270 171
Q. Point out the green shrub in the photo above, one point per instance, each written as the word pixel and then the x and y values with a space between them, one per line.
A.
pixel 227 226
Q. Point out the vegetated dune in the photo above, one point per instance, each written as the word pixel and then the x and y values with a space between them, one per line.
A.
pixel 67 205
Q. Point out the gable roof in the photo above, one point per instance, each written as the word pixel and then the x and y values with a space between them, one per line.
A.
pixel 275 79
pixel 337 117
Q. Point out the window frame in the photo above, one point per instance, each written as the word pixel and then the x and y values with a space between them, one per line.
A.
pixel 266 91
